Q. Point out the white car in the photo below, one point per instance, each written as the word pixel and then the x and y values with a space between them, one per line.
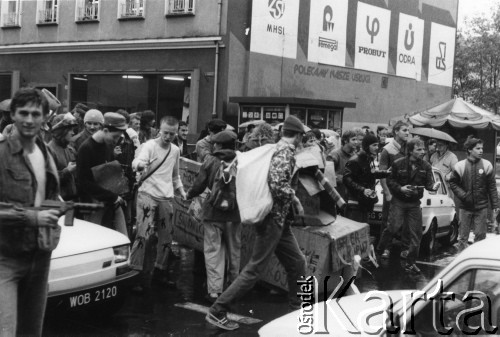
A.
pixel 473 278
pixel 89 268
pixel 439 219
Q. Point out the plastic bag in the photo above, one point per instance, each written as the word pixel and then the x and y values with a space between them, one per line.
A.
pixel 252 190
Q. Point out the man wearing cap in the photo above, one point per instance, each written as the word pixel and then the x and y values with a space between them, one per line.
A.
pixel 93 122
pixel 359 178
pixel 222 229
pixel 205 146
pixel 160 157
pixel 64 154
pixel 97 150
pixel 28 177
pixel 273 234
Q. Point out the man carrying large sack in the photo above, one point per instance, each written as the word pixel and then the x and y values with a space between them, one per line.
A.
pixel 273 234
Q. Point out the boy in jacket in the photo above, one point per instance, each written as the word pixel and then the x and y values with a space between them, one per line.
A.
pixel 473 183
pixel 222 229
pixel 409 176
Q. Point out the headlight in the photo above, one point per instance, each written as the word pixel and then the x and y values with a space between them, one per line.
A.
pixel 121 253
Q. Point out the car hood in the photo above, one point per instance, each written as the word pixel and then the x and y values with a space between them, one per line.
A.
pixel 341 317
pixel 84 237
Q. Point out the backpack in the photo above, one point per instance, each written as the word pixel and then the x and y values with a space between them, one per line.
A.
pixel 252 189
pixel 223 195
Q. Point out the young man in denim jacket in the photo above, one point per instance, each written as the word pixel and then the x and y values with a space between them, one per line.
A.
pixel 28 176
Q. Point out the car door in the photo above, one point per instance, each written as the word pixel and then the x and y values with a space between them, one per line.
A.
pixel 473 289
pixel 441 205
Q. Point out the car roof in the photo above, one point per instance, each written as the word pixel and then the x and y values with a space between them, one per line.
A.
pixel 482 250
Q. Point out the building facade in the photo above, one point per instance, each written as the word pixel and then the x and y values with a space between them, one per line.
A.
pixel 332 63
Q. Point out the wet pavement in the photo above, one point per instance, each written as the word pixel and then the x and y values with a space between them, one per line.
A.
pixel 164 311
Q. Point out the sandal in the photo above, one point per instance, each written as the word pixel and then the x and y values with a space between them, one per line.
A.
pixel 221 322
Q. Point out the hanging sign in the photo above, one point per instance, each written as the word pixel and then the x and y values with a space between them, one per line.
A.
pixel 327 32
pixel 410 42
pixel 441 55
pixel 372 38
pixel 274 27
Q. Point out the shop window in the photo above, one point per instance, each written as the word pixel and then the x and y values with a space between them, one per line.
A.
pixel 300 113
pixel 179 7
pixel 165 94
pixel 131 9
pixel 47 12
pixel 87 10
pixel 317 118
pixel 10 13
pixel 249 113
pixel 274 115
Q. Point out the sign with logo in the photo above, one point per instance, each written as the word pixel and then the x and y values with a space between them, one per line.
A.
pixel 410 42
pixel 441 55
pixel 327 32
pixel 274 27
pixel 372 38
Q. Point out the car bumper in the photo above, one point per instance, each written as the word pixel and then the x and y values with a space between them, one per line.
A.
pixel 95 295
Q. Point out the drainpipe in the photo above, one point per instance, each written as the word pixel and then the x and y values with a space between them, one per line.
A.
pixel 217 50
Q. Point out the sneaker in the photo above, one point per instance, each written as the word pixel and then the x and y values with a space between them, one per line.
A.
pixel 220 320
pixel 412 268
pixel 404 254
pixel 212 297
pixel 386 254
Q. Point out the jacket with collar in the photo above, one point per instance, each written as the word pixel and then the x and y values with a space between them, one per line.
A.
pixel 473 183
pixel 18 188
pixel 360 174
pixel 404 174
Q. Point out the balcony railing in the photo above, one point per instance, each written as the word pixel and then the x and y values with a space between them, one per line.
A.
pixel 181 7
pixel 132 8
pixel 88 13
pixel 47 16
pixel 11 19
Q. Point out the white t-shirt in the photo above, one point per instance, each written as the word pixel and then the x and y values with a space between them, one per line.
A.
pixel 165 180
pixel 37 161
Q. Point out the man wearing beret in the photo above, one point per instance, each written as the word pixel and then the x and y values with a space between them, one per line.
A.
pixel 92 122
pixel 221 229
pixel 95 151
pixel 205 146
pixel 273 234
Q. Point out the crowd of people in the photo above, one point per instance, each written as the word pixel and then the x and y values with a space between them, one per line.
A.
pixel 48 156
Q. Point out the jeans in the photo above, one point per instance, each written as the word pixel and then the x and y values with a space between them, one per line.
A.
pixel 154 218
pixel 407 216
pixel 471 219
pixel 270 238
pixel 220 241
pixel 23 293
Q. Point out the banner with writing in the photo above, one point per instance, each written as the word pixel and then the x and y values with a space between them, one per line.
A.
pixel 327 32
pixel 441 55
pixel 372 38
pixel 274 27
pixel 410 42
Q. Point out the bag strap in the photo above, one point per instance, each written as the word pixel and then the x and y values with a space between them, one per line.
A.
pixel 150 173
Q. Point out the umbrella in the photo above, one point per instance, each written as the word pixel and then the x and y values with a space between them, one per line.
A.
pixel 255 122
pixel 433 133
pixel 5 105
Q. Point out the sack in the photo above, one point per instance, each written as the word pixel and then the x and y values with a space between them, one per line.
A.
pixel 223 192
pixel 252 190
pixel 48 237
pixel 110 177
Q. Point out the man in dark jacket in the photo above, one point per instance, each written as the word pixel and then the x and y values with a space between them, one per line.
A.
pixel 28 176
pixel 409 176
pixel 473 183
pixel 359 178
pixel 222 229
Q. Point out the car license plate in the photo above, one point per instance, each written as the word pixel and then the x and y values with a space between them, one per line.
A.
pixel 93 296
pixel 377 216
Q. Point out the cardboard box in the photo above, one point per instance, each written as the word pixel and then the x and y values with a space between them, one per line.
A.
pixel 329 250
